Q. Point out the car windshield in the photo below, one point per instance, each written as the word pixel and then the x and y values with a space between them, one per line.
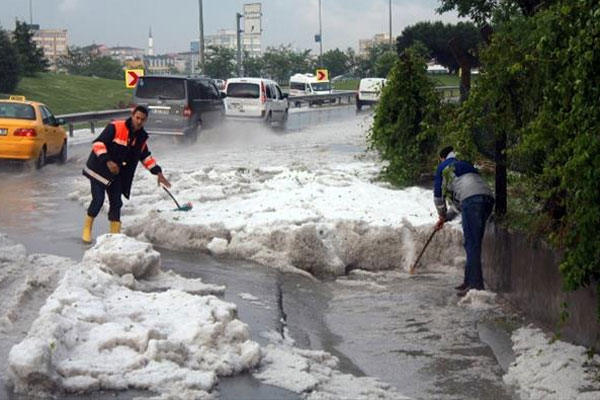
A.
pixel 18 111
pixel 243 90
pixel 321 86
pixel 161 88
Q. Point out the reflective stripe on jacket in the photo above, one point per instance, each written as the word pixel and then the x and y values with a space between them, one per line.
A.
pixel 118 144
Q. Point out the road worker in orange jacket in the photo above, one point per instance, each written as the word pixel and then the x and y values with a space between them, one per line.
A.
pixel 111 167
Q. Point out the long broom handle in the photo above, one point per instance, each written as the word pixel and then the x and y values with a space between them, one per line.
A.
pixel 169 193
pixel 412 269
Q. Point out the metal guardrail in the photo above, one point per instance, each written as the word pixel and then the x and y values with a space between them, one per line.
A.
pixel 335 96
pixel 92 117
pixel 450 93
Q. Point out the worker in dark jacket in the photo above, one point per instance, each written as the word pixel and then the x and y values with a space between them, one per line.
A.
pixel 111 167
pixel 459 183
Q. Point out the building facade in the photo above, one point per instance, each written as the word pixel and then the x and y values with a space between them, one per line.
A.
pixel 125 53
pixel 54 43
pixel 228 39
pixel 365 44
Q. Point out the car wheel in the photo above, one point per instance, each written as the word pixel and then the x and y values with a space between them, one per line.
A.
pixel 62 156
pixel 41 160
pixel 358 105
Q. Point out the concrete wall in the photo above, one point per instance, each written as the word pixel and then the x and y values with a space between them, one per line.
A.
pixel 525 271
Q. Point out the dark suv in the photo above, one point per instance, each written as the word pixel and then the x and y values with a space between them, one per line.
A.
pixel 179 105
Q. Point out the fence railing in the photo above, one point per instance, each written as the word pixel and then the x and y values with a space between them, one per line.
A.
pixel 92 118
pixel 335 96
pixel 450 93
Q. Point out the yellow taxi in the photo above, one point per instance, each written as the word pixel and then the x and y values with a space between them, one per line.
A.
pixel 29 131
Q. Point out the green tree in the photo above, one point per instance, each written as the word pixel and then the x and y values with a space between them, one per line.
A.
pixel 484 11
pixel 385 63
pixel 31 56
pixel 404 128
pixel 105 67
pixel 77 60
pixel 220 62
pixel 252 65
pixel 366 64
pixel 9 64
pixel 353 61
pixel 87 61
pixel 541 89
pixel 336 62
pixel 435 36
pixel 282 62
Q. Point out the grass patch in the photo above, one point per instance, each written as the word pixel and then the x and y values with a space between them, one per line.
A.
pixel 351 84
pixel 444 79
pixel 66 94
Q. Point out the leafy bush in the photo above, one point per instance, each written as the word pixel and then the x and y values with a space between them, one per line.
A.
pixel 403 130
pixel 540 87
pixel 9 64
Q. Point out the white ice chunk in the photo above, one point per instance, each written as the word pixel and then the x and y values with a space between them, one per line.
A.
pixel 124 255
pixel 552 370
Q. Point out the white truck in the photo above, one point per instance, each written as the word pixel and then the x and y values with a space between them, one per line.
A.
pixel 307 84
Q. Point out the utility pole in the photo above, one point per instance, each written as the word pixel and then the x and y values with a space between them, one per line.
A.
pixel 391 42
pixel 201 43
pixel 320 37
pixel 238 32
pixel 30 13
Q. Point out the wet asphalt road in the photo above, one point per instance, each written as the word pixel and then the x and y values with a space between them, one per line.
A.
pixel 399 333
pixel 36 211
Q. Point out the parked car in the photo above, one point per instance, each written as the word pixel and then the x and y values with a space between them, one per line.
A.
pixel 256 98
pixel 307 84
pixel 30 131
pixel 220 83
pixel 179 105
pixel 369 91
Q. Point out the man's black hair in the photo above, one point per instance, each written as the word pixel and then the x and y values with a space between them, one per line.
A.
pixel 445 151
pixel 141 109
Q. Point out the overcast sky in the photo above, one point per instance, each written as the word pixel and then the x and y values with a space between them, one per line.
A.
pixel 175 22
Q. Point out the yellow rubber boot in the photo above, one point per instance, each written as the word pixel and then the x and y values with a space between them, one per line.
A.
pixel 115 226
pixel 86 236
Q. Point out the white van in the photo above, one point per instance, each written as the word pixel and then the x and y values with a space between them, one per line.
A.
pixel 369 91
pixel 256 98
pixel 304 84
pixel 307 84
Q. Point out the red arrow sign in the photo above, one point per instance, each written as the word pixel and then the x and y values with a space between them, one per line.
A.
pixel 132 76
pixel 321 75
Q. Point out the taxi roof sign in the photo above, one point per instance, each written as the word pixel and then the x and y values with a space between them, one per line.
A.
pixel 17 98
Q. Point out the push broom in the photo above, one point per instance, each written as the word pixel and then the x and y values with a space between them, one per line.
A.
pixel 414 266
pixel 186 207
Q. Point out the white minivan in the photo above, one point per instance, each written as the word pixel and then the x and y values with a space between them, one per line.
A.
pixel 307 84
pixel 256 98
pixel 303 84
pixel 369 91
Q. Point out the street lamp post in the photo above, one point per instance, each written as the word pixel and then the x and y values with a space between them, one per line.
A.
pixel 201 43
pixel 238 34
pixel 391 42
pixel 320 37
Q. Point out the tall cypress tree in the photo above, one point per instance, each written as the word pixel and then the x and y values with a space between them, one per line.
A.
pixel 9 64
pixel 30 55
